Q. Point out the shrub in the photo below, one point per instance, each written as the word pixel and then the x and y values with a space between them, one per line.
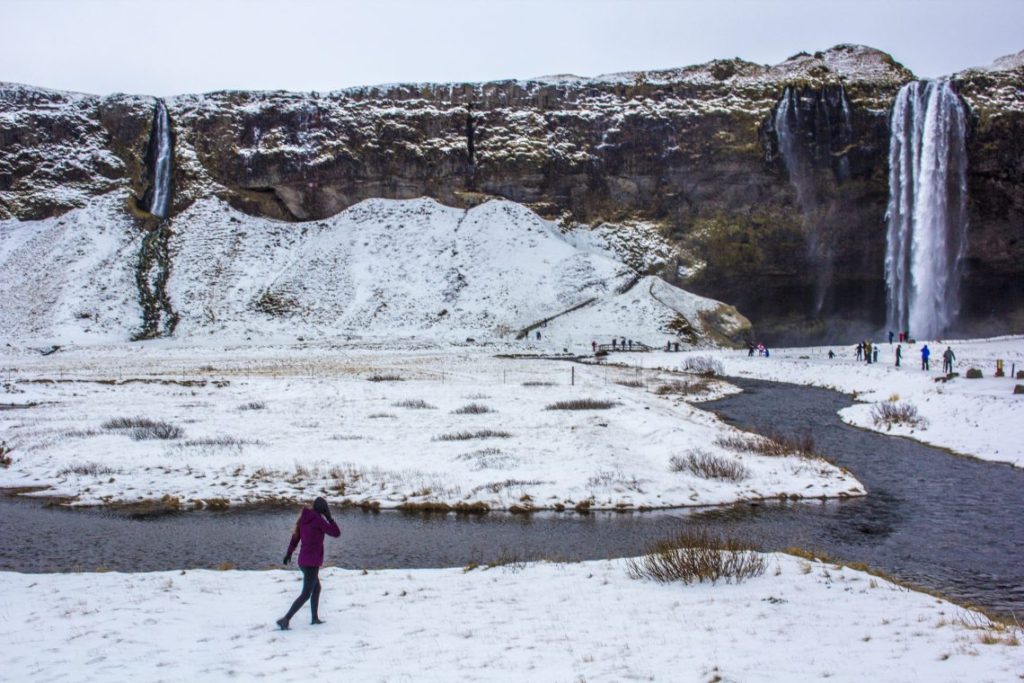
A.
pixel 705 366
pixel 472 409
pixel 693 557
pixel 973 373
pixel 253 405
pixel 581 404
pixel 5 455
pixel 414 403
pixel 709 466
pixel 466 436
pixel 891 413
pixel 385 378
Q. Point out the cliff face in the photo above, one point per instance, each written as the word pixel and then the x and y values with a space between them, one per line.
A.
pixel 793 234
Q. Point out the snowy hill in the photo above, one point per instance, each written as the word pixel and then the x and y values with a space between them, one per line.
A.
pixel 380 269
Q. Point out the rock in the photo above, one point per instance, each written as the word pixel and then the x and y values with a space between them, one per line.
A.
pixel 973 373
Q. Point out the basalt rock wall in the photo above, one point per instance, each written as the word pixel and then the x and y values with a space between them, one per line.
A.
pixel 694 150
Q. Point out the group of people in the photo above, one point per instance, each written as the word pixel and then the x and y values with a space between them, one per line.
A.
pixel 868 352
pixel 761 349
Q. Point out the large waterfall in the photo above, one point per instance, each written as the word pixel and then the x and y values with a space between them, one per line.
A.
pixel 160 154
pixel 927 213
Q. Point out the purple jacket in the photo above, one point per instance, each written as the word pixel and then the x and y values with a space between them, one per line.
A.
pixel 311 529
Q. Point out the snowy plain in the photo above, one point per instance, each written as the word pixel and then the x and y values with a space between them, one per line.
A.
pixel 800 621
pixel 377 427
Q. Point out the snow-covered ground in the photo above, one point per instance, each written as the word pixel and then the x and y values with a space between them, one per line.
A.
pixel 800 621
pixel 291 423
pixel 982 418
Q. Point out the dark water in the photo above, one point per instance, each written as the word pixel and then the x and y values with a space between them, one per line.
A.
pixel 934 519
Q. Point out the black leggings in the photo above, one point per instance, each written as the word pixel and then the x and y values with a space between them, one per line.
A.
pixel 310 591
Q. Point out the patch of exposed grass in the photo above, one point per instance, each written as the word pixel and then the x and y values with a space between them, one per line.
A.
pixel 633 383
pixel 695 557
pixel 581 404
pixel 536 383
pixel 253 405
pixel 678 388
pixel 479 434
pixel 142 428
pixel 473 409
pixel 889 413
pixel 709 466
pixel 5 455
pixel 380 416
pixel 414 404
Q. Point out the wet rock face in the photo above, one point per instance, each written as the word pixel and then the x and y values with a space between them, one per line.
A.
pixel 695 150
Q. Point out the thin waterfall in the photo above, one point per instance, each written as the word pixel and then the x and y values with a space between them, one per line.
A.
pixel 927 214
pixel 161 155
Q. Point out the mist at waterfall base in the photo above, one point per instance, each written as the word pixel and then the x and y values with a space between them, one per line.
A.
pixel 927 213
pixel 161 150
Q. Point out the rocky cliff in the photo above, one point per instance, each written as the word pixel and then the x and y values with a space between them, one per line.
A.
pixel 793 234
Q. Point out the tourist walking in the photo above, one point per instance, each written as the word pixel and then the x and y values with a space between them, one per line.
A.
pixel 860 350
pixel 947 360
pixel 925 352
pixel 899 354
pixel 310 529
pixel 890 337
pixel 867 352
pixel 874 354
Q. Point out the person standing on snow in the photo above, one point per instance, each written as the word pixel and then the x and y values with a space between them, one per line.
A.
pixel 947 360
pixel 310 529
pixel 925 352
pixel 899 354
pixel 860 350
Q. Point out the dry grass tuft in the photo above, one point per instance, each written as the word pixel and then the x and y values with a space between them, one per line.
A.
pixel 632 383
pixel 380 377
pixel 581 404
pixel 709 466
pixel 381 416
pixel 479 434
pixel 5 455
pixel 142 428
pixel 414 404
pixel 705 366
pixel 535 383
pixel 87 469
pixel 678 388
pixel 253 405
pixel 473 409
pixel 694 557
pixel 774 444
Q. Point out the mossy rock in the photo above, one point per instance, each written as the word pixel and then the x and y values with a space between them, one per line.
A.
pixel 1019 389
pixel 973 373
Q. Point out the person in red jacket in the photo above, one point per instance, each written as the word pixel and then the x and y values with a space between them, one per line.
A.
pixel 310 529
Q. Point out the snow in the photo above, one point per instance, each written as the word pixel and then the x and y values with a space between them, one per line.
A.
pixel 270 423
pixel 800 621
pixel 981 418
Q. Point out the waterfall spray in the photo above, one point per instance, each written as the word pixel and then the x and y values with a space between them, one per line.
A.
pixel 927 213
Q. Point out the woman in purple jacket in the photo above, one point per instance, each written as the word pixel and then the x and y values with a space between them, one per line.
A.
pixel 310 530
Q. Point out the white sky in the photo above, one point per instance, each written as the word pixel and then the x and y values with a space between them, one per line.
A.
pixel 180 46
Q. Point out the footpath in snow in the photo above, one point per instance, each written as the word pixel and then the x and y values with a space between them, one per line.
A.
pixel 800 621
pixel 982 418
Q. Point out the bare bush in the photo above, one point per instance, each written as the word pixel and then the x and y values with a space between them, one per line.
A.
pixel 253 405
pixel 891 413
pixel 581 404
pixel 5 455
pixel 706 366
pixel 694 557
pixel 466 436
pixel 414 403
pixel 709 466
pixel 473 409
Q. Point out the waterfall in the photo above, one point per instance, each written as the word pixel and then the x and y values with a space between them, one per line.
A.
pixel 160 154
pixel 927 213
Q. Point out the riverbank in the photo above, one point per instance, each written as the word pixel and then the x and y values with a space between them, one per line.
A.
pixel 981 418
pixel 586 621
pixel 168 426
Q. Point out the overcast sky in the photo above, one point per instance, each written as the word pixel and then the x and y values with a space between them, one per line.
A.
pixel 180 46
